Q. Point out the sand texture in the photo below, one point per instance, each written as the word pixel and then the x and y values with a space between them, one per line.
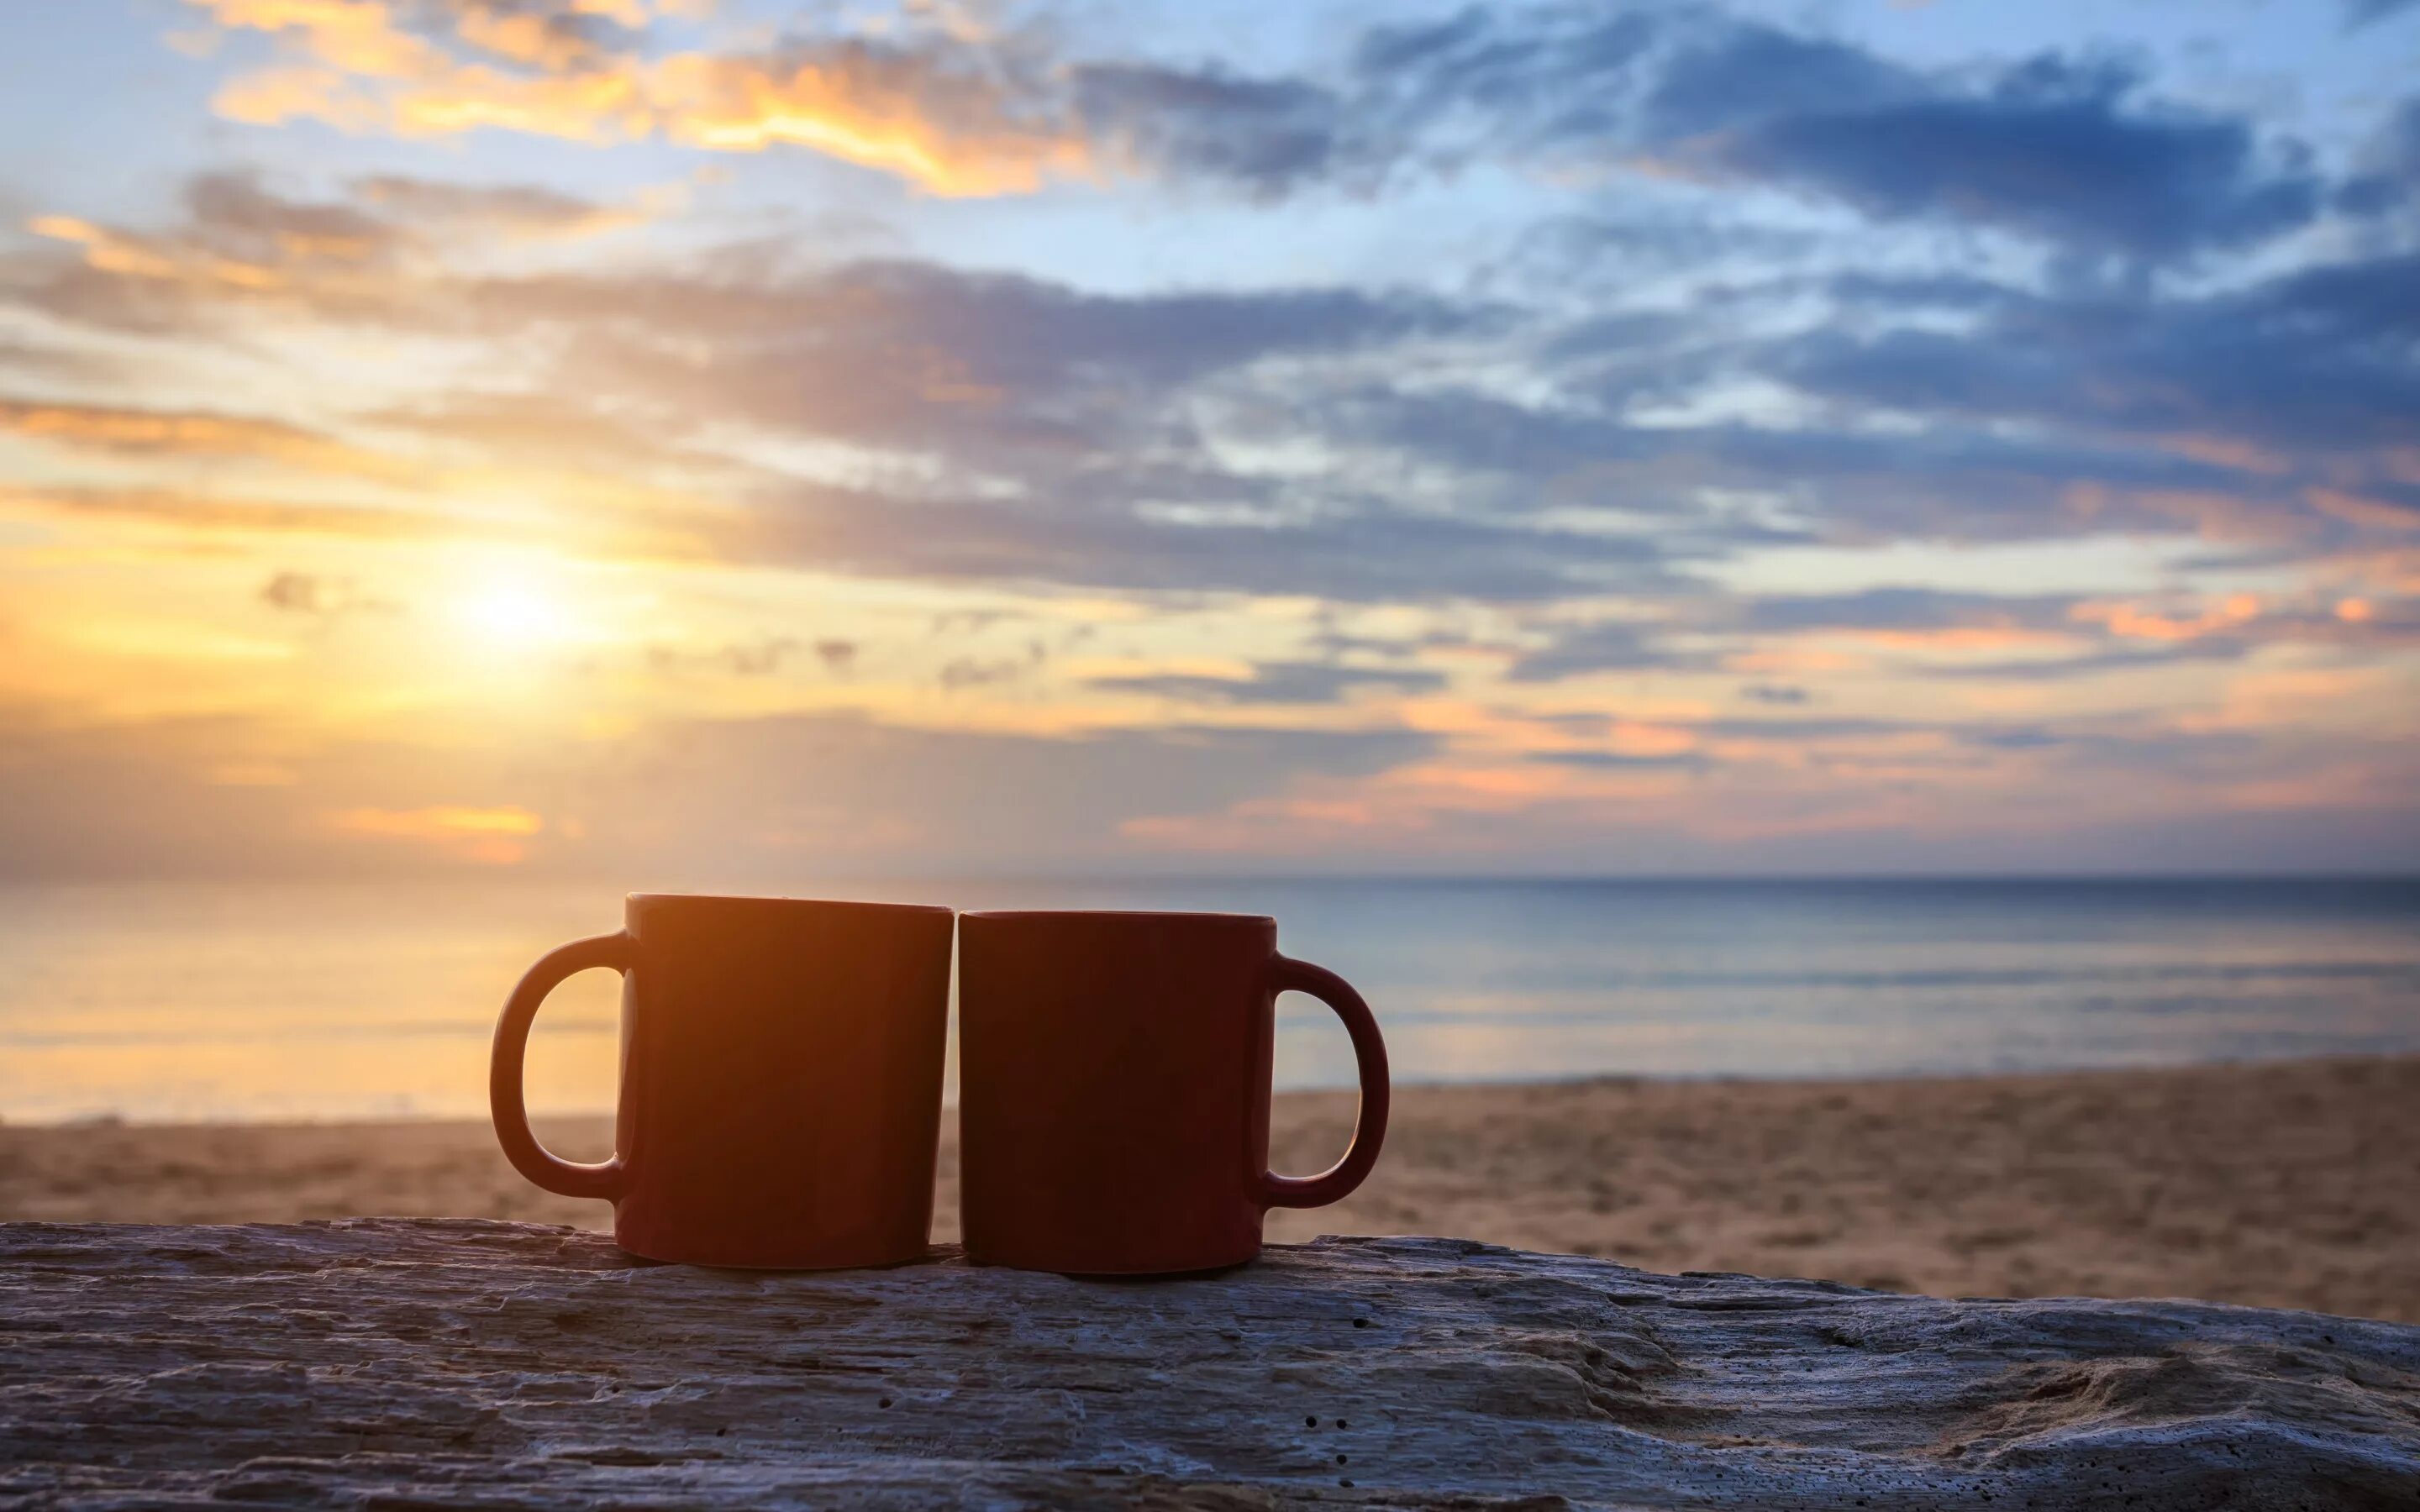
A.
pixel 2287 1185
pixel 453 1363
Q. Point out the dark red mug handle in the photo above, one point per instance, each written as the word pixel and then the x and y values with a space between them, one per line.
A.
pixel 1370 1053
pixel 615 952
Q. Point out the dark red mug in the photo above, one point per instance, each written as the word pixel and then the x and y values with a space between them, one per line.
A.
pixel 781 1079
pixel 1113 1101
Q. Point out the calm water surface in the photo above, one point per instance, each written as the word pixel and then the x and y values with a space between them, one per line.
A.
pixel 329 1001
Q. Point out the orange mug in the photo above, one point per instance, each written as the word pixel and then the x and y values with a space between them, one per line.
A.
pixel 1113 1100
pixel 781 1079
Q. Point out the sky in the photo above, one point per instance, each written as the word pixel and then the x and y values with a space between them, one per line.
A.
pixel 666 438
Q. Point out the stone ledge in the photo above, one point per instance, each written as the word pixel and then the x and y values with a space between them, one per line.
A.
pixel 398 1362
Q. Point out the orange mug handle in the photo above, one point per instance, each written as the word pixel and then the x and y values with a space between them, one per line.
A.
pixel 1370 1054
pixel 551 1172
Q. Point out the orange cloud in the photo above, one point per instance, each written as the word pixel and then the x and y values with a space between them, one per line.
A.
pixel 2218 516
pixel 2227 452
pixel 1795 658
pixel 600 106
pixel 1434 806
pixel 438 823
pixel 2355 510
pixel 877 116
pixel 513 214
pixel 490 836
pixel 129 256
pixel 950 132
pixel 190 433
pixel 2148 624
pixel 210 513
pixel 358 36
pixel 1950 637
pixel 1272 824
pixel 205 516
pixel 531 36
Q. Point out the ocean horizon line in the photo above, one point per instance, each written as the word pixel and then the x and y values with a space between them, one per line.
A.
pixel 1178 879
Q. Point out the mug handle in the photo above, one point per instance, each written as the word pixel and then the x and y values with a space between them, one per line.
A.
pixel 618 952
pixel 1370 1123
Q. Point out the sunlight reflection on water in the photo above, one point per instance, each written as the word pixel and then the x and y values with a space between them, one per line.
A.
pixel 161 1001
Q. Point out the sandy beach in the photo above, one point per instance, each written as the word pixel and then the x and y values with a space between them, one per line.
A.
pixel 2294 1184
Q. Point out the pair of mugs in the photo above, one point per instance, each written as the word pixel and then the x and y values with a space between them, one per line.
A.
pixel 780 1092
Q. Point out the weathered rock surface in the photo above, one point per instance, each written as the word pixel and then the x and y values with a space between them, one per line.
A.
pixel 466 1364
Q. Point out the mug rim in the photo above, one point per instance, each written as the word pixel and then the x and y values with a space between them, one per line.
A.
pixel 760 900
pixel 1032 915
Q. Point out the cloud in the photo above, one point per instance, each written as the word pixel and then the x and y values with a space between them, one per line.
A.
pixel 902 352
pixel 2388 171
pixel 513 211
pixel 2094 663
pixel 1617 761
pixel 545 67
pixel 537 427
pixel 1266 136
pixel 41 360
pixel 2073 152
pixel 1505 84
pixel 932 114
pixel 1455 499
pixel 1010 428
pixel 762 658
pixel 252 221
pixel 296 591
pixel 2359 13
pixel 2315 358
pixel 191 434
pixel 201 515
pixel 1277 683
pixel 488 837
pixel 1357 554
pixel 1892 609
pixel 1019 430
pixel 976 672
pixel 2052 148
pixel 240 247
pixel 701 801
pixel 243 249
pixel 943 111
pixel 555 35
pixel 319 596
pixel 2078 636
pixel 1847 794
pixel 908 420
pixel 1696 641
pixel 1611 645
pixel 208 513
pixel 2066 151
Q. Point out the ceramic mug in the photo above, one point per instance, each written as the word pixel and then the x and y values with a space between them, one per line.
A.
pixel 1113 1102
pixel 780 1093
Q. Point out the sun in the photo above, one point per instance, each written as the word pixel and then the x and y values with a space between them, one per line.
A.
pixel 515 611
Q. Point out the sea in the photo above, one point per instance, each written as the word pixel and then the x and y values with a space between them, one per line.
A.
pixel 246 1002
